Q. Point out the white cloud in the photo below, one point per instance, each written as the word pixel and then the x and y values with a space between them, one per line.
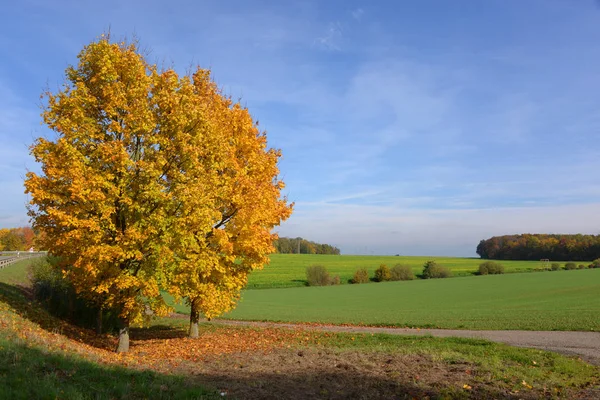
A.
pixel 332 38
pixel 358 13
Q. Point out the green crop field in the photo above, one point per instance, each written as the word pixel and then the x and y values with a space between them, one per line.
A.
pixel 289 270
pixel 561 300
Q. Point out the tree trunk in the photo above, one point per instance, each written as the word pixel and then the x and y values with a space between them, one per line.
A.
pixel 99 322
pixel 194 317
pixel 123 345
pixel 71 306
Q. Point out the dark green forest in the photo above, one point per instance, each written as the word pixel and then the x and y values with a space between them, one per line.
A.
pixel 285 245
pixel 541 246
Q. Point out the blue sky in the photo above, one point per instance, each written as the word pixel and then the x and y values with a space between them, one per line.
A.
pixel 412 127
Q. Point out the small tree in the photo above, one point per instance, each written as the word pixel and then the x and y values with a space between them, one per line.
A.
pixel 383 273
pixel 317 275
pixel 490 267
pixel 570 266
pixel 361 276
pixel 402 273
pixel 431 270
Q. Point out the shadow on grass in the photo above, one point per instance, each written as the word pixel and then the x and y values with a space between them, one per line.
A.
pixel 311 383
pixel 29 373
pixel 19 299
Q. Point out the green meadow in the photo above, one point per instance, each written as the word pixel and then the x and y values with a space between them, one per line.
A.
pixel 289 270
pixel 557 300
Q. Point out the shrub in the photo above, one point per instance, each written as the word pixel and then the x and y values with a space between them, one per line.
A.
pixel 401 273
pixel 570 265
pixel 58 296
pixel 555 266
pixel 595 263
pixel 491 267
pixel 431 269
pixel 361 276
pixel 317 275
pixel 581 266
pixel 335 280
pixel 383 273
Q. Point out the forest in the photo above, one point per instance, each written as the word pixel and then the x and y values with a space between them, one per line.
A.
pixel 285 245
pixel 17 239
pixel 541 246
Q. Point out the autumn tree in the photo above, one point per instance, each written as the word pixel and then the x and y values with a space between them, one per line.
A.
pixel 231 233
pixel 154 181
pixel 16 239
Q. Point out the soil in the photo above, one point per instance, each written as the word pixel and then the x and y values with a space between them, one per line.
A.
pixel 322 374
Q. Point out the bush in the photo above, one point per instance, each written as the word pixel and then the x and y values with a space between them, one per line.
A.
pixel 595 263
pixel 570 265
pixel 555 266
pixel 335 280
pixel 317 275
pixel 401 273
pixel 58 296
pixel 491 267
pixel 581 266
pixel 431 270
pixel 361 276
pixel 383 273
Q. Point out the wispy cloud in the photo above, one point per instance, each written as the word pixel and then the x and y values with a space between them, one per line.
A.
pixel 332 38
pixel 358 13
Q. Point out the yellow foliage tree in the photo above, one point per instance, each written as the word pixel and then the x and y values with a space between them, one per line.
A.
pixel 155 181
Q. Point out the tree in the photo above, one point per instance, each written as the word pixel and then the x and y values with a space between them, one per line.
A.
pixel 243 207
pixel 15 239
pixel 149 185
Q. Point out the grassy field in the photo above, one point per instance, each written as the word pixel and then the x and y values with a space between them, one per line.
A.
pixel 558 300
pixel 47 358
pixel 289 270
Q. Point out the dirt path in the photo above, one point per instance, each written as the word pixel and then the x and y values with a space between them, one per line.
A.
pixel 583 344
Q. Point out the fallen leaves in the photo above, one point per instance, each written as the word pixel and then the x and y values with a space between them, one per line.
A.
pixel 158 349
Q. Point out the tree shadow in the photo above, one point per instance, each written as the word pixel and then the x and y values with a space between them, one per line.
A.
pixel 318 384
pixel 19 299
pixel 158 332
pixel 30 373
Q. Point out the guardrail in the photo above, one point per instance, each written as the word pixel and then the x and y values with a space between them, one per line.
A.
pixel 18 256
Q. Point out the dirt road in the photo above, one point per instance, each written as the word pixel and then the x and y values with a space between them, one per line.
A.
pixel 583 344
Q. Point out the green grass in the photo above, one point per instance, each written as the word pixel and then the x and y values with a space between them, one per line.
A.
pixel 495 361
pixel 17 272
pixel 289 270
pixel 563 300
pixel 30 369
pixel 28 372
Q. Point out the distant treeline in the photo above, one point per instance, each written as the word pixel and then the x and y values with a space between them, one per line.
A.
pixel 16 239
pixel 541 246
pixel 298 245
